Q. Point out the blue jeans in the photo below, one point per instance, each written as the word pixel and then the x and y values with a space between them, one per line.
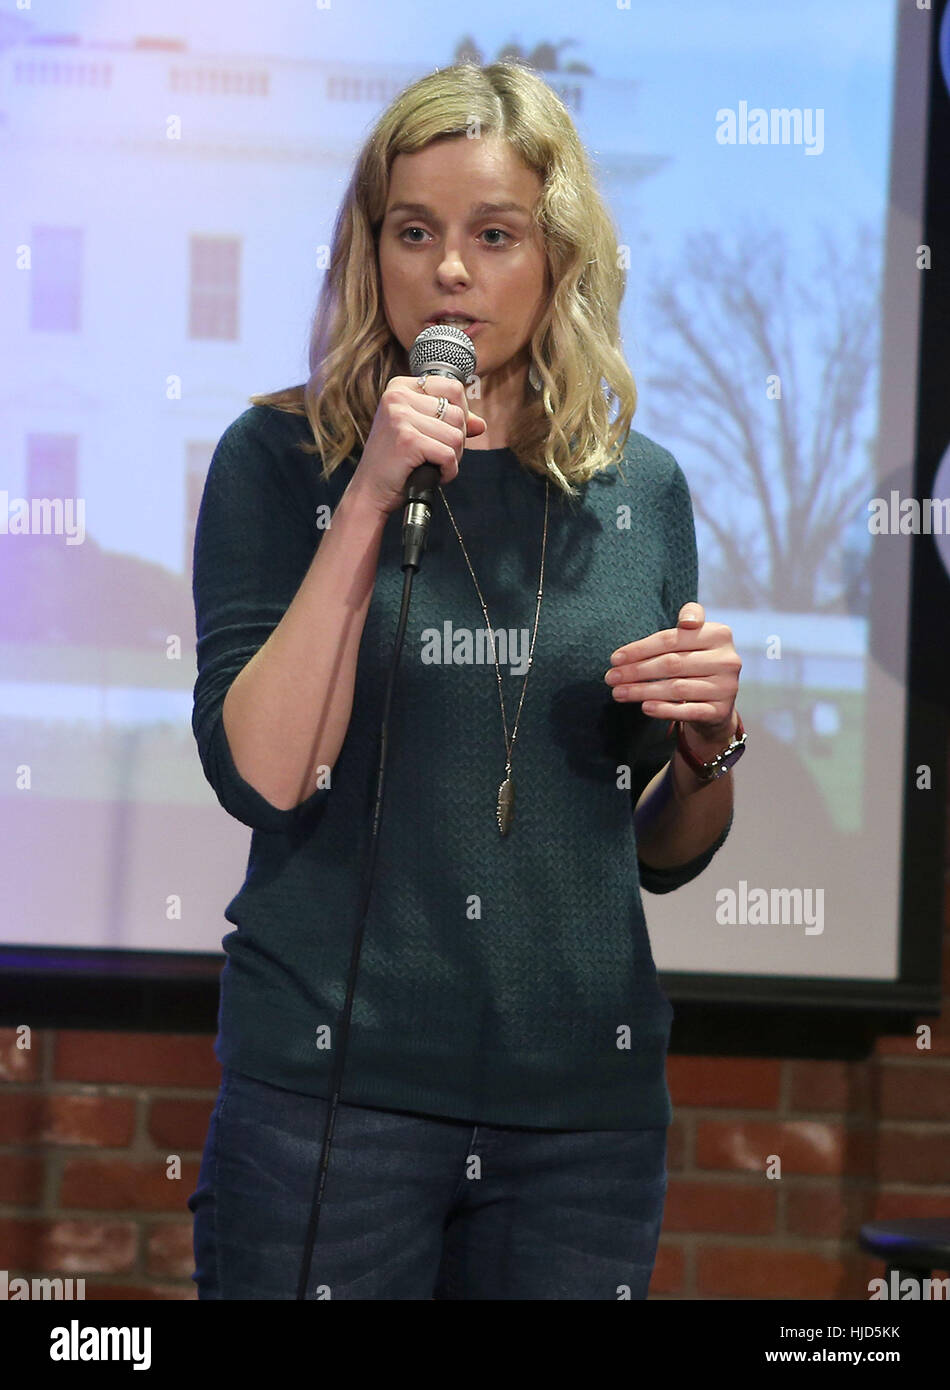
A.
pixel 419 1207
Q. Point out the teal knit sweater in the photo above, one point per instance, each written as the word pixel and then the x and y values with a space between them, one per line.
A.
pixel 503 980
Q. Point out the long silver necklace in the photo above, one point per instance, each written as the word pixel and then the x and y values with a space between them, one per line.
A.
pixel 505 809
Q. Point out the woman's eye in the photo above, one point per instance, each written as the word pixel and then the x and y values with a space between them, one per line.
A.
pixel 488 231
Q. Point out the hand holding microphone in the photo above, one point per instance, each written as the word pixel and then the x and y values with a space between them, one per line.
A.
pixel 406 434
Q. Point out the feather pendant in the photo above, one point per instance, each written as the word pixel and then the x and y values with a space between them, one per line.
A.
pixel 506 805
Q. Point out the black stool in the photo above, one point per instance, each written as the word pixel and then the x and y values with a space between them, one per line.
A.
pixel 912 1248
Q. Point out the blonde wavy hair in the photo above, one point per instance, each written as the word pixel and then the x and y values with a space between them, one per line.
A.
pixel 564 430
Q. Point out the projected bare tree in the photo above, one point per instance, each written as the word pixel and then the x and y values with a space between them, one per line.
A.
pixel 766 378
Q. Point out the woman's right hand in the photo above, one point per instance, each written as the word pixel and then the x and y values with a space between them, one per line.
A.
pixel 405 434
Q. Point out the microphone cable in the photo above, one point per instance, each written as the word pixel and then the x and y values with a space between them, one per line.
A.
pixel 428 355
pixel 336 1073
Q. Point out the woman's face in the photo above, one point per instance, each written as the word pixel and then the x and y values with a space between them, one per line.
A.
pixel 448 253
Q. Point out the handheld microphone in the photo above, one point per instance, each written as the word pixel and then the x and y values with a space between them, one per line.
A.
pixel 442 349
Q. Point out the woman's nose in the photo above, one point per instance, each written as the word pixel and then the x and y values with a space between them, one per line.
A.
pixel 452 267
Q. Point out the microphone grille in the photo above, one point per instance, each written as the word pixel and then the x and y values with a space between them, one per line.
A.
pixel 444 343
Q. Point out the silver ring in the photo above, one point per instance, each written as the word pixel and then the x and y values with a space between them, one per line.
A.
pixel 441 408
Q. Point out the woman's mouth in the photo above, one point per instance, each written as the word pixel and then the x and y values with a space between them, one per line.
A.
pixel 468 326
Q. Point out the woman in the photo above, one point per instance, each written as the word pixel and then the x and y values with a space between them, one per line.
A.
pixel 504 1109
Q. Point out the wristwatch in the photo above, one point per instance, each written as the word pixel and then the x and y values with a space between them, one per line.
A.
pixel 722 762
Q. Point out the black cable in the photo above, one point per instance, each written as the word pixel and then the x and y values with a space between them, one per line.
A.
pixel 336 1073
pixel 440 350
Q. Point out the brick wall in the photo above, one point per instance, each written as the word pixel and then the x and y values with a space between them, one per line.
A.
pixel 89 1123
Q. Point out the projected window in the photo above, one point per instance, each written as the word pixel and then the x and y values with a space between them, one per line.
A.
pixel 215 287
pixel 56 280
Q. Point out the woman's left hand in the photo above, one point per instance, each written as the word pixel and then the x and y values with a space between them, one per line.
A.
pixel 690 672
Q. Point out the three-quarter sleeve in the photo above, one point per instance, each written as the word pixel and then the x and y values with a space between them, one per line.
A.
pixel 255 538
pixel 653 746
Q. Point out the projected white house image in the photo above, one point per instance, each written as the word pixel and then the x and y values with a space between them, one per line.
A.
pixel 171 209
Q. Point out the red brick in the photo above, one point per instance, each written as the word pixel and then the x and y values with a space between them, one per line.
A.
pixel 916 1093
pixel 909 1155
pixel 845 1087
pixel 139 1292
pixel 907 1046
pixel 139 1059
pixel 669 1271
pixel 68 1246
pixel 828 1209
pixel 860 1270
pixel 746 1082
pixel 38 1117
pixel 119 1185
pixel 737 1208
pixel 676 1142
pixel 20 1063
pixel 804 1146
pixel 896 1205
pixel 179 1124
pixel 729 1271
pixel 21 1179
pixel 169 1251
